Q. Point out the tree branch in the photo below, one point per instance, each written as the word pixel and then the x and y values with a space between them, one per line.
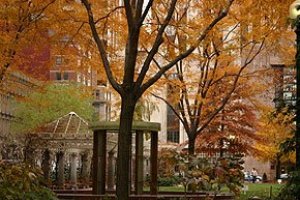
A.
pixel 226 99
pixel 158 41
pixel 129 15
pixel 183 55
pixel 142 18
pixel 170 106
pixel 139 10
pixel 100 47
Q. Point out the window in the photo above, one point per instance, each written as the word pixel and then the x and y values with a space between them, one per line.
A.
pixel 172 120
pixel 101 83
pixel 173 136
pixel 58 60
pixel 58 76
pixel 66 76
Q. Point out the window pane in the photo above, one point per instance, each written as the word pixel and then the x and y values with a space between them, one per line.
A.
pixel 66 76
pixel 58 60
pixel 58 76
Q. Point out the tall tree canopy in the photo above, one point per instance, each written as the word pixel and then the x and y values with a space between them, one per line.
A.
pixel 131 38
pixel 224 70
pixel 23 35
pixel 275 128
pixel 136 42
pixel 48 103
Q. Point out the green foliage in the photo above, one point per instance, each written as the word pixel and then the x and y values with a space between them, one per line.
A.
pixel 265 191
pixel 144 108
pixel 206 176
pixel 50 103
pixel 291 191
pixel 21 181
pixel 202 174
pixel 168 181
pixel 294 22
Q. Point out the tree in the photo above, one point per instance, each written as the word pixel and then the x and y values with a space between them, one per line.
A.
pixel 237 123
pixel 139 47
pixel 48 103
pixel 222 68
pixel 45 105
pixel 22 25
pixel 199 173
pixel 275 128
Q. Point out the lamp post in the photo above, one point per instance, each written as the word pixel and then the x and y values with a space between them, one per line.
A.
pixel 294 15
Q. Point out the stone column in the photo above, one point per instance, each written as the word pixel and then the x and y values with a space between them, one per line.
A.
pixel 146 168
pixel 153 162
pixel 85 170
pixel 29 155
pixel 73 170
pixel 46 165
pixel 139 157
pixel 61 169
pixel 38 158
pixel 111 171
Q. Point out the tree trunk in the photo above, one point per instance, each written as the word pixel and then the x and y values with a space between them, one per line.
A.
pixel 191 151
pixel 124 147
pixel 191 148
pixel 221 147
pixel 278 166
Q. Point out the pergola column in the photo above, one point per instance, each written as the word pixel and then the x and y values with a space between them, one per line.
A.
pixel 85 171
pixel 61 169
pixel 139 158
pixel 146 167
pixel 153 162
pixel 99 154
pixel 46 165
pixel 111 171
pixel 99 161
pixel 73 170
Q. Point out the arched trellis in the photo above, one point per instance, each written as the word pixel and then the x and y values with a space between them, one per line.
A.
pixel 100 130
pixel 67 138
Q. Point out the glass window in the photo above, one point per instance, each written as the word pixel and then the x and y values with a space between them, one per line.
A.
pixel 58 60
pixel 66 76
pixel 58 76
pixel 173 136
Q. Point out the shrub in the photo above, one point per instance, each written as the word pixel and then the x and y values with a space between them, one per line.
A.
pixel 167 181
pixel 291 191
pixel 21 181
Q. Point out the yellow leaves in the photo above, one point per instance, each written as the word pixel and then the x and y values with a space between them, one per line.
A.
pixel 275 128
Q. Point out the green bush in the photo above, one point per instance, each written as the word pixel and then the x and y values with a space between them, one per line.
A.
pixel 167 181
pixel 291 191
pixel 21 181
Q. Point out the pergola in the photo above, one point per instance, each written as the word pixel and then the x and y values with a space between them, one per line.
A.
pixel 100 131
pixel 67 137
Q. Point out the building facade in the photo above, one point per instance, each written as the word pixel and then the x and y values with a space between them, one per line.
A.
pixel 15 85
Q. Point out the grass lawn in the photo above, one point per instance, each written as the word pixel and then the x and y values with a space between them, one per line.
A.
pixel 261 190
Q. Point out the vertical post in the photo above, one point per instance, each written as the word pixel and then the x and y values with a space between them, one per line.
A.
pixel 61 170
pixel 130 174
pixel 111 171
pixel 297 135
pixel 73 170
pixel 85 171
pixel 46 166
pixel 99 162
pixel 139 164
pixel 153 162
